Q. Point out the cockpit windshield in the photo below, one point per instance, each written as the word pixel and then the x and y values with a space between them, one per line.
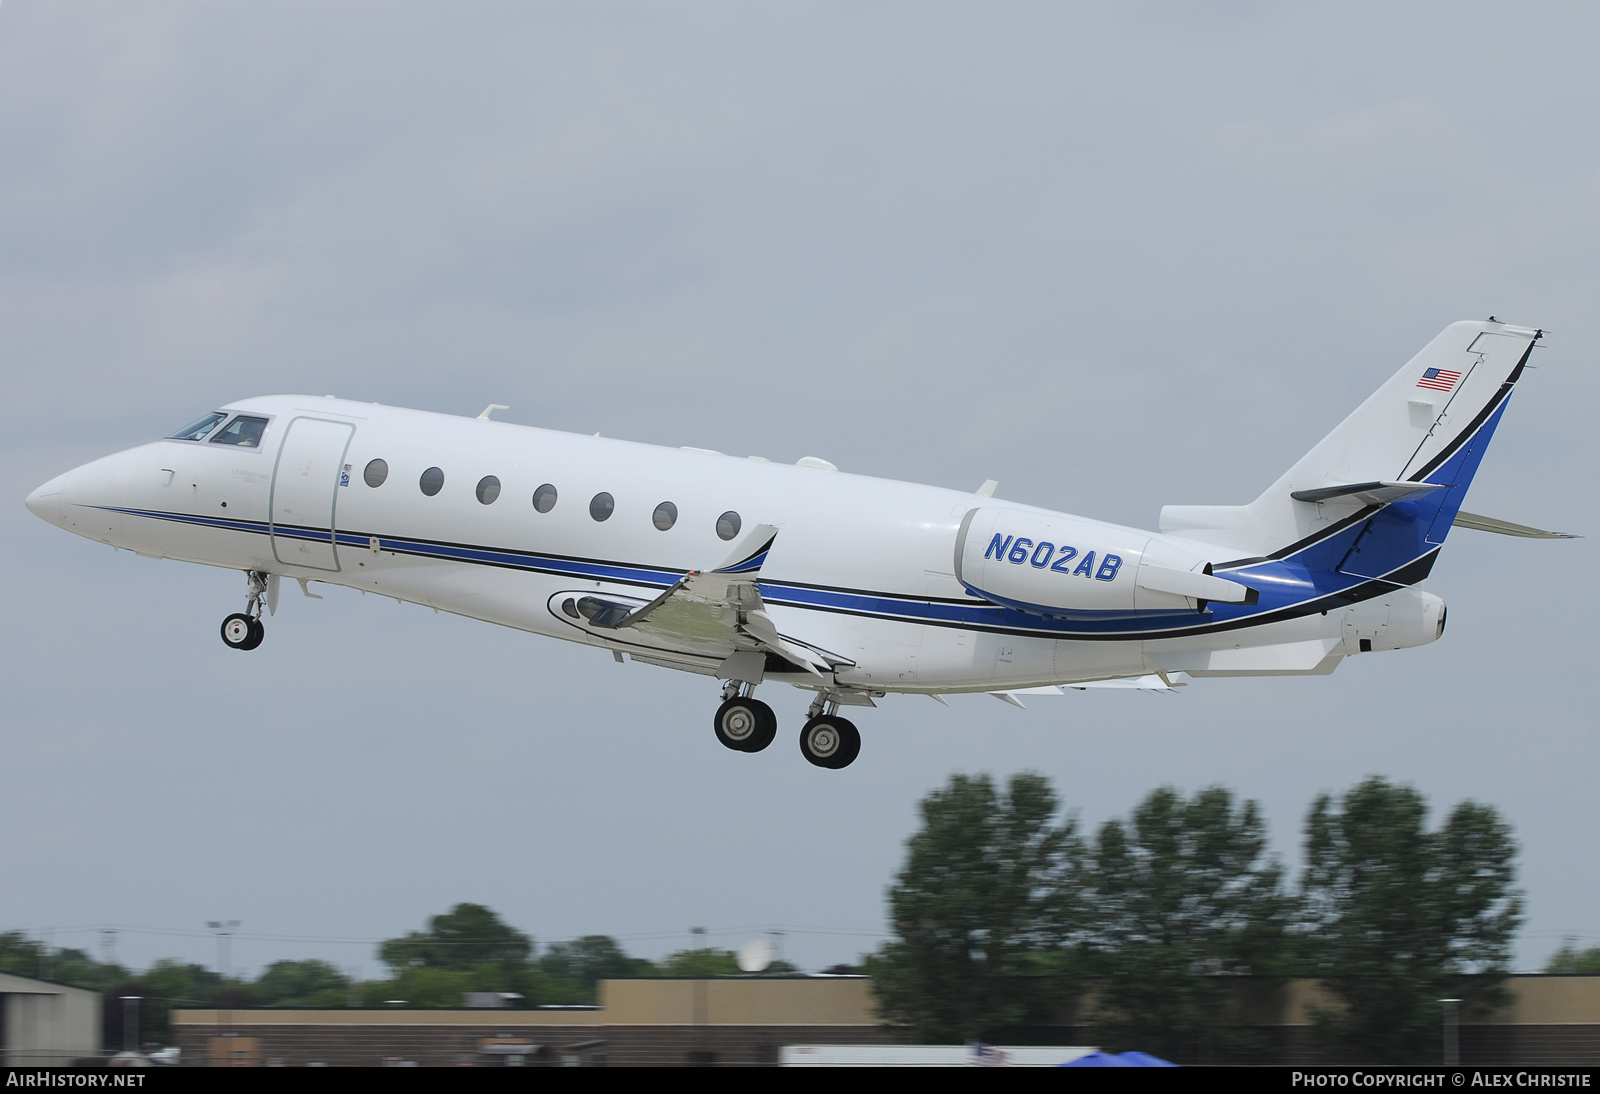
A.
pixel 243 431
pixel 198 431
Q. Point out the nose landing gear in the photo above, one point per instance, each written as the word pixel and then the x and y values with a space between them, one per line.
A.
pixel 240 632
pixel 243 630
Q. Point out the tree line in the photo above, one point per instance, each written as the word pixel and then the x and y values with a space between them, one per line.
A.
pixel 467 949
pixel 1005 916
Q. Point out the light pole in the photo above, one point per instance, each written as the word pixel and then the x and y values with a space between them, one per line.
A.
pixel 698 987
pixel 224 931
pixel 1452 1031
pixel 130 1023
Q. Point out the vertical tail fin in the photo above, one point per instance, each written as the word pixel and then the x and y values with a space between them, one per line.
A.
pixel 1400 463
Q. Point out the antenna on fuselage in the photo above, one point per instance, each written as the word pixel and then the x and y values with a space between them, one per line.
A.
pixel 490 409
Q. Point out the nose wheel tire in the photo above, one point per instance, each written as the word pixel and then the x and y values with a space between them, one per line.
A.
pixel 240 632
pixel 745 725
pixel 830 742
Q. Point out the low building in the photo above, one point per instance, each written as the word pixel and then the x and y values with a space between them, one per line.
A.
pixel 748 1020
pixel 738 1020
pixel 44 1023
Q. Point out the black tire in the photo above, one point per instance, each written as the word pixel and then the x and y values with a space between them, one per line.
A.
pixel 238 630
pixel 852 744
pixel 767 732
pixel 830 742
pixel 257 633
pixel 745 725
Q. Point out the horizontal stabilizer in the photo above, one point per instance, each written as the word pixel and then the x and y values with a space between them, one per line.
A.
pixel 1193 583
pixel 1368 493
pixel 1505 527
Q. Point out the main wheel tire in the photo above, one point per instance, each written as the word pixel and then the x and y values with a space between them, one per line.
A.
pixel 767 732
pixel 257 633
pixel 745 725
pixel 852 744
pixel 238 630
pixel 830 742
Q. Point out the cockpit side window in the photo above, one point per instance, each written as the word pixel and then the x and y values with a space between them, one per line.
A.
pixel 243 431
pixel 198 431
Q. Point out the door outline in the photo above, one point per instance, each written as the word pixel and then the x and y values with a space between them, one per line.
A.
pixel 333 505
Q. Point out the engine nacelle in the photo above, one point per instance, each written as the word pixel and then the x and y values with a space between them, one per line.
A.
pixel 1397 620
pixel 1057 565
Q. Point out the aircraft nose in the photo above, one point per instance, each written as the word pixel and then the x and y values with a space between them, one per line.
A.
pixel 45 502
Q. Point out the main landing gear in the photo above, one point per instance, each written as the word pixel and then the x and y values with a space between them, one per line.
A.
pixel 243 630
pixel 826 739
pixel 746 724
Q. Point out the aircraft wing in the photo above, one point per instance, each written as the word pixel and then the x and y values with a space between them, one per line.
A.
pixel 719 612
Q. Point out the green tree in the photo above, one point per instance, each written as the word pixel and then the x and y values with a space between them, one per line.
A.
pixel 1573 961
pixel 302 984
pixel 985 913
pixel 1395 915
pixel 702 962
pixel 167 985
pixel 468 935
pixel 77 968
pixel 1184 897
pixel 578 964
pixel 21 955
pixel 421 986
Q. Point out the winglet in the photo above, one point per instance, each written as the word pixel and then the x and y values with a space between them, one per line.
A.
pixel 751 553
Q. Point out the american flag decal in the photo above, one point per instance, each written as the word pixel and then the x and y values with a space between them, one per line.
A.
pixel 1439 379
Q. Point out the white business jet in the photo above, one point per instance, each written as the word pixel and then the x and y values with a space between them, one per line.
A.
pixel 850 587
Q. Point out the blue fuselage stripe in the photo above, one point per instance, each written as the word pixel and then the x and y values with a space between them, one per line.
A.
pixel 1286 587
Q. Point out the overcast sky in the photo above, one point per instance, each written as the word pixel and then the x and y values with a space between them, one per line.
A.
pixel 1114 256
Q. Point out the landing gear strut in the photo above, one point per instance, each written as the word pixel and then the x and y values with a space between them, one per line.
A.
pixel 742 723
pixel 828 740
pixel 243 630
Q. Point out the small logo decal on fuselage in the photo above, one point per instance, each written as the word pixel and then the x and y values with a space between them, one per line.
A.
pixel 1020 550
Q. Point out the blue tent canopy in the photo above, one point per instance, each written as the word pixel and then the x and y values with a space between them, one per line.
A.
pixel 1126 1059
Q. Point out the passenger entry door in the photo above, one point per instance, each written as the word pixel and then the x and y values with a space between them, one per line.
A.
pixel 305 492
